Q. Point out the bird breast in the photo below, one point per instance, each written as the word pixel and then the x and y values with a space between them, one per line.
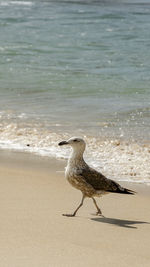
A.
pixel 71 176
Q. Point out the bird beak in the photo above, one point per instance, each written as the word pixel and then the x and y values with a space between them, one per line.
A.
pixel 63 143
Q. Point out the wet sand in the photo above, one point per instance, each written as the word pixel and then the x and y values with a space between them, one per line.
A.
pixel 33 232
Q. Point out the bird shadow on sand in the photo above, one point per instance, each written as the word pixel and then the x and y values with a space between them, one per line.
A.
pixel 119 222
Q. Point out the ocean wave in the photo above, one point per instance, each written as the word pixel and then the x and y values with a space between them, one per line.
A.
pixel 8 3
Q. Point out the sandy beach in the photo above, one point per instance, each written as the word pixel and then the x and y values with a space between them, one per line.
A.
pixel 74 68
pixel 33 232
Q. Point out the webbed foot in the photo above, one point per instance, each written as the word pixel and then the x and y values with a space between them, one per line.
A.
pixel 69 215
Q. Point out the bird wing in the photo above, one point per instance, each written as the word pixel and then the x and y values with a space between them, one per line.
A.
pixel 99 182
pixel 79 182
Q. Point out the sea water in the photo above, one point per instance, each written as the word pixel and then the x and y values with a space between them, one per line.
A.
pixel 78 68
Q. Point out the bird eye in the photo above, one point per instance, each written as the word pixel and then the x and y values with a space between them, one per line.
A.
pixel 75 140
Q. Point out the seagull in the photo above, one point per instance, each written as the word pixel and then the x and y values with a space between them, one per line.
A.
pixel 86 179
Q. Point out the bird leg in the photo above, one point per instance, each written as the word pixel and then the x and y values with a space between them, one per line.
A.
pixel 98 209
pixel 74 213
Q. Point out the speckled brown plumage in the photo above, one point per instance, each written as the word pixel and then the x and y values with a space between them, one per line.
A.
pixel 86 179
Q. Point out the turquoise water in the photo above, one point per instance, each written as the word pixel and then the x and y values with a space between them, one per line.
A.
pixel 76 68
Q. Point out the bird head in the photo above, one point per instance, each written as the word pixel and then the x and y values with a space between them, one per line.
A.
pixel 76 143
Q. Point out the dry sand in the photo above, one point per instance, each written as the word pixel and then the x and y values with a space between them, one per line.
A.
pixel 33 233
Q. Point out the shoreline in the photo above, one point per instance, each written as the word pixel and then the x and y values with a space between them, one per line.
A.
pixel 33 196
pixel 116 159
pixel 12 156
pixel 29 161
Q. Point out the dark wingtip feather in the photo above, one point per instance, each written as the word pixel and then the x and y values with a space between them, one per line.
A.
pixel 128 191
pixel 122 190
